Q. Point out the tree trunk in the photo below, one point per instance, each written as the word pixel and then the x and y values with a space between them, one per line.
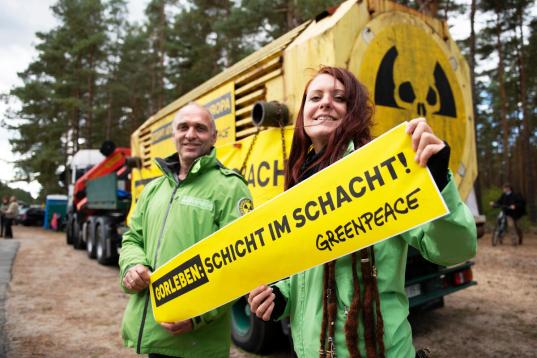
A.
pixel 477 184
pixel 76 124
pixel 157 81
pixel 108 125
pixel 505 174
pixel 160 70
pixel 428 7
pixel 291 15
pixel 528 178
pixel 89 124
pixel 77 110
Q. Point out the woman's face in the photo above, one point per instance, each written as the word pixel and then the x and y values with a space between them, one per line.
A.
pixel 324 109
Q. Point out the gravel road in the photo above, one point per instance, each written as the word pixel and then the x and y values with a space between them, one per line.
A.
pixel 62 304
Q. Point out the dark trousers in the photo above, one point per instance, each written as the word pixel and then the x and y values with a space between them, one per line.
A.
pixel 2 225
pixel 8 230
pixel 517 235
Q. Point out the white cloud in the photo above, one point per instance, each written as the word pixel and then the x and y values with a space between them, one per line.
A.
pixel 136 10
pixel 20 20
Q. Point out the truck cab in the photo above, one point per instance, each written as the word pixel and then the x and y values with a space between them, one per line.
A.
pixel 81 162
pixel 98 201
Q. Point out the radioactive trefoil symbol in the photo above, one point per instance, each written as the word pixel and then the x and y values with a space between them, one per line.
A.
pixel 436 99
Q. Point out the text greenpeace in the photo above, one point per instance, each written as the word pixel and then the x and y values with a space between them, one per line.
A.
pixel 371 195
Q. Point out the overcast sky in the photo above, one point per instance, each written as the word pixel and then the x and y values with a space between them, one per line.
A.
pixel 19 21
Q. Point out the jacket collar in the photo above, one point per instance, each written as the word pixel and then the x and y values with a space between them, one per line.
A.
pixel 170 165
pixel 312 156
pixel 350 149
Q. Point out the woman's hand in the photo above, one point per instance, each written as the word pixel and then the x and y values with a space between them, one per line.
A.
pixel 261 300
pixel 424 142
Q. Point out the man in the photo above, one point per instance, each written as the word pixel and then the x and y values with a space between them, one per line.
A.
pixel 194 198
pixel 513 207
pixel 10 215
pixel 3 219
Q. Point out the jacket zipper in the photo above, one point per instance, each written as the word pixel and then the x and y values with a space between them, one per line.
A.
pixel 141 332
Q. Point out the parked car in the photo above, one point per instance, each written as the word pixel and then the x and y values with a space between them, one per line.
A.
pixel 22 210
pixel 31 216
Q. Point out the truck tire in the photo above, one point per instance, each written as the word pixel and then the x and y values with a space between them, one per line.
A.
pixel 69 230
pixel 106 251
pixel 78 240
pixel 251 333
pixel 89 233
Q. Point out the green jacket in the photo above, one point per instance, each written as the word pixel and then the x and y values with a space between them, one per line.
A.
pixel 446 241
pixel 181 214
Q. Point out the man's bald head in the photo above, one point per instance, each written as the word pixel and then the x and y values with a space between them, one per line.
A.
pixel 194 108
pixel 194 134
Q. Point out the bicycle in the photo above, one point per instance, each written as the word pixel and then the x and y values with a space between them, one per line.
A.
pixel 500 229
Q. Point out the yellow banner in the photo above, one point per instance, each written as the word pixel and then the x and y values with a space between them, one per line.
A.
pixel 371 195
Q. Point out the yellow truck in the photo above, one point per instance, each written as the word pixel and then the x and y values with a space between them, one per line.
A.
pixel 411 66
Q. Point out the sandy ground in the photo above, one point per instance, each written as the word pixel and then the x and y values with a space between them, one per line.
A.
pixel 62 304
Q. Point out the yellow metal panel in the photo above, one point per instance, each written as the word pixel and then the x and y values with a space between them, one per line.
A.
pixel 246 132
pixel 276 90
pixel 357 36
pixel 259 82
pixel 229 74
pixel 327 42
pixel 379 7
pixel 268 64
pixel 422 77
pixel 243 111
pixel 251 97
pixel 264 169
pixel 244 121
pixel 221 103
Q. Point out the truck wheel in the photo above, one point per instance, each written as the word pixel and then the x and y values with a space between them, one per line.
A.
pixel 104 239
pixel 89 232
pixel 69 231
pixel 78 240
pixel 251 333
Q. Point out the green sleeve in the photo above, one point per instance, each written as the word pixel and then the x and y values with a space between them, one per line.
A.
pixel 228 210
pixel 448 240
pixel 132 245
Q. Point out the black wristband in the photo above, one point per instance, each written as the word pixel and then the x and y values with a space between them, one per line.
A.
pixel 279 303
pixel 438 165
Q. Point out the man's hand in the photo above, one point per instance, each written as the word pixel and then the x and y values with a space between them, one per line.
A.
pixel 424 142
pixel 178 327
pixel 137 278
pixel 261 300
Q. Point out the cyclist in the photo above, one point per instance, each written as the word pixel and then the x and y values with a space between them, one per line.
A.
pixel 512 205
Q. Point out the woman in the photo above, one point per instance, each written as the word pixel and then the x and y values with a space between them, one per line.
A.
pixel 334 308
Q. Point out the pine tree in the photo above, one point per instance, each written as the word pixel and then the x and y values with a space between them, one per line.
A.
pixel 60 90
